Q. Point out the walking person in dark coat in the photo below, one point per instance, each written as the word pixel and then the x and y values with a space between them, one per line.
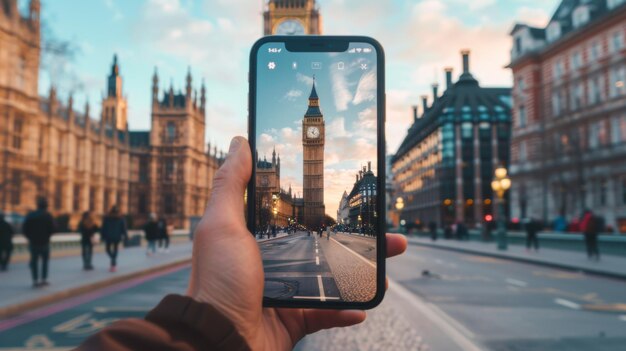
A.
pixel 152 234
pixel 113 231
pixel 432 226
pixel 38 228
pixel 532 228
pixel 590 228
pixel 164 236
pixel 87 228
pixel 6 243
pixel 461 231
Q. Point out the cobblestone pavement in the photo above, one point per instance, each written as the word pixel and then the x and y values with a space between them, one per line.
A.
pixel 354 275
pixel 384 329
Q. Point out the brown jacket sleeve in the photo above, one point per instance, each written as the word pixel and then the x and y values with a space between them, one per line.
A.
pixel 177 323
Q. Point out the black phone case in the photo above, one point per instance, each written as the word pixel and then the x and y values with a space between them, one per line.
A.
pixel 311 43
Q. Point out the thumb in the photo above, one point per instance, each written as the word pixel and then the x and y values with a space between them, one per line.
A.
pixel 226 205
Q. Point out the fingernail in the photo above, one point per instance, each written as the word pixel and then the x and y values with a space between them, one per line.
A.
pixel 234 146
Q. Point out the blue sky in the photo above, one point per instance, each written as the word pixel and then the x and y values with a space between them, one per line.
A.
pixel 347 100
pixel 214 38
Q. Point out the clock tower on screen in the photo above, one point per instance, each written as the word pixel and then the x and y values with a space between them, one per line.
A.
pixel 291 17
pixel 313 163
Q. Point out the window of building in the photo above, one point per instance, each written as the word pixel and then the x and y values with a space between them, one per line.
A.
pixel 553 31
pixel 618 130
pixel 170 169
pixel 576 96
pixel 18 126
pixel 16 189
pixel 169 203
pixel 92 199
pixel 523 152
pixel 76 199
pixel 143 169
pixel 518 44
pixel 580 16
pixel 624 191
pixel 595 50
pixel 20 75
pixel 170 132
pixel 558 69
pixel 467 130
pixel 614 3
pixel 602 192
pixel 576 61
pixel 142 204
pixel 617 41
pixel 60 152
pixel 556 104
pixel 617 82
pixel 522 119
pixel 58 195
pixel 594 93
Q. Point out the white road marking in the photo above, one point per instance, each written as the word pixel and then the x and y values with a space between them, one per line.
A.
pixel 317 260
pixel 356 254
pixel 313 298
pixel 457 332
pixel 516 282
pixel 321 285
pixel 622 318
pixel 567 303
pixel 317 251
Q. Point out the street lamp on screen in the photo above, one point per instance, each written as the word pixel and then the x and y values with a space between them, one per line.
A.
pixel 500 184
pixel 399 207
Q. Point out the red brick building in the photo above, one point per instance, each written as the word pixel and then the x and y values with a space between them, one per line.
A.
pixel 569 114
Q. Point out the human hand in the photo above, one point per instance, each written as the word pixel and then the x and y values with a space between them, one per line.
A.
pixel 227 270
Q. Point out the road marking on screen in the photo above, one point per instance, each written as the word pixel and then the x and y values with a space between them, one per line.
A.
pixel 354 253
pixel 317 261
pixel 317 251
pixel 567 303
pixel 311 298
pixel 516 282
pixel 321 285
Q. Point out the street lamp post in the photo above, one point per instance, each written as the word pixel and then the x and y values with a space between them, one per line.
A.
pixel 500 184
pixel 399 207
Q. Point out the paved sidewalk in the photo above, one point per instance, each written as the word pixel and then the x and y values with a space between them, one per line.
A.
pixel 265 238
pixel 67 277
pixel 609 266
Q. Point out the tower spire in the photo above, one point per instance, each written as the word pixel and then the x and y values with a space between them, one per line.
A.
pixel 314 103
pixel 115 80
pixel 188 87
pixel 202 96
pixel 155 85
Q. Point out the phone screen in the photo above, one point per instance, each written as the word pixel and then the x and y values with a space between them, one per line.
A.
pixel 316 214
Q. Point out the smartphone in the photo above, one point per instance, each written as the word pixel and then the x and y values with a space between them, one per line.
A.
pixel 315 202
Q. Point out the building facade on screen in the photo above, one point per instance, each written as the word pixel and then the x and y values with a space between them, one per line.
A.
pixel 569 130
pixel 444 167
pixel 57 150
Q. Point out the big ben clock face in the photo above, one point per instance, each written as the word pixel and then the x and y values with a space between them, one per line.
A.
pixel 290 27
pixel 313 132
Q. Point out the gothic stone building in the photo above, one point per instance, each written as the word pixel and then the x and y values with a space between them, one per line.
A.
pixel 271 196
pixel 569 132
pixel 48 148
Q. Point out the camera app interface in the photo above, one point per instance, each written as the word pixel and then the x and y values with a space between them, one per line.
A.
pixel 315 158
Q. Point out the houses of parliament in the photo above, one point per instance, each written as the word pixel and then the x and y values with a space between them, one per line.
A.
pixel 79 163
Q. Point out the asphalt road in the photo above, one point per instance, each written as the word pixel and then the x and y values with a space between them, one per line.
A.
pixel 465 302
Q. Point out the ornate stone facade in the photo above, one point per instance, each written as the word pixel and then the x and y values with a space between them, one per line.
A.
pixel 292 17
pixel 49 149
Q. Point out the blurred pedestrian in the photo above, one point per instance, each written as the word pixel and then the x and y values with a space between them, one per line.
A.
pixel 432 226
pixel 164 235
pixel 461 231
pixel 590 228
pixel 532 228
pixel 447 232
pixel 87 228
pixel 151 229
pixel 113 231
pixel 38 228
pixel 6 243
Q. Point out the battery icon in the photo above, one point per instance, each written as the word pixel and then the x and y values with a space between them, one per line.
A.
pixel 367 49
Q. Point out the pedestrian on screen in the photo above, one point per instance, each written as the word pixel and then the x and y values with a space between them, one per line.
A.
pixel 532 228
pixel 433 231
pixel 223 306
pixel 87 228
pixel 461 231
pixel 6 243
pixel 151 229
pixel 164 235
pixel 590 228
pixel 113 231
pixel 38 228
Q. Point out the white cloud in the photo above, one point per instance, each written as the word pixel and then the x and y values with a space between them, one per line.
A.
pixel 366 89
pixel 293 94
pixel 341 92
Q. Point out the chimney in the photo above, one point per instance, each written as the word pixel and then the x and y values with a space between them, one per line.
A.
pixel 369 166
pixel 435 92
pixel 448 71
pixel 357 178
pixel 465 54
pixel 415 116
pixel 424 104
